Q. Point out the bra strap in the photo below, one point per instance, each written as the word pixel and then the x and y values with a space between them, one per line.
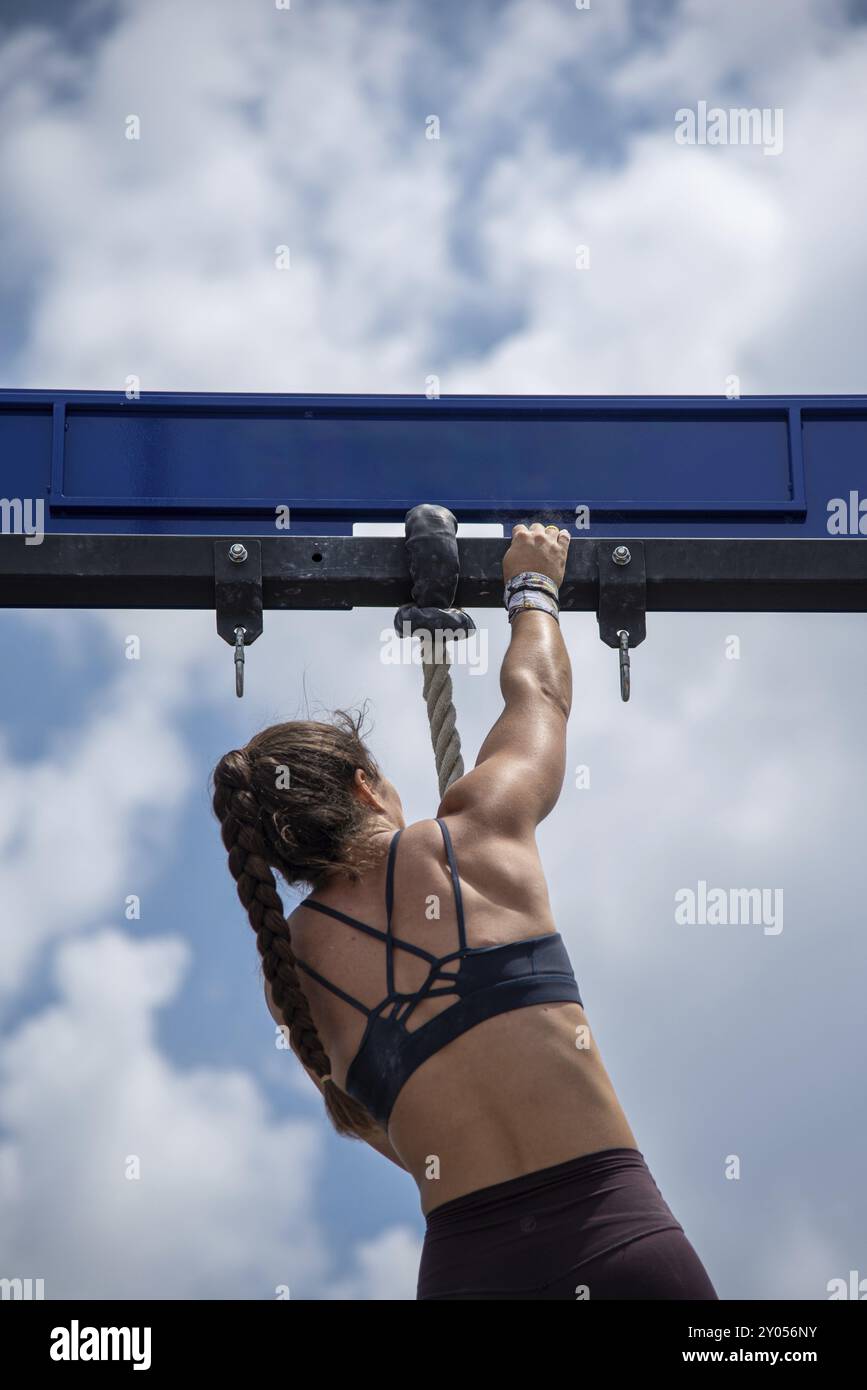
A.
pixel 371 931
pixel 456 883
pixel 341 994
pixel 389 905
pixel 343 917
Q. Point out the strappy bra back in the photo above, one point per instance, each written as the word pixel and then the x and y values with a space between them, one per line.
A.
pixel 485 980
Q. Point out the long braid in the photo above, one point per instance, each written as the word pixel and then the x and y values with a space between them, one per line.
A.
pixel 239 812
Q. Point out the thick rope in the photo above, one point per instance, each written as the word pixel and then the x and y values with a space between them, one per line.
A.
pixel 437 690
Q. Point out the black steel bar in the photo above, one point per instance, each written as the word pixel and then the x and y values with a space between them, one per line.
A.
pixel 341 572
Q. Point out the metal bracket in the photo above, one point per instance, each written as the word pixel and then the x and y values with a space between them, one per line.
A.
pixel 238 597
pixel 622 605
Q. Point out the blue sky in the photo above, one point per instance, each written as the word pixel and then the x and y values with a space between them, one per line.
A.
pixel 413 257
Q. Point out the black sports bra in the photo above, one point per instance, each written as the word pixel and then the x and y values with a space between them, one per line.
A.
pixel 488 980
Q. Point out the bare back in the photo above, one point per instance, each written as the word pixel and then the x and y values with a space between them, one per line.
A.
pixel 515 1093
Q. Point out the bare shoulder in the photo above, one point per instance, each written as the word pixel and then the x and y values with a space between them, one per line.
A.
pixel 501 876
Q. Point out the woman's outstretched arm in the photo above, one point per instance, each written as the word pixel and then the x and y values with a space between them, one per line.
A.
pixel 519 772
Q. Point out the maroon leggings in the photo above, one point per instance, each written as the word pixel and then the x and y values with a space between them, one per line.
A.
pixel 595 1227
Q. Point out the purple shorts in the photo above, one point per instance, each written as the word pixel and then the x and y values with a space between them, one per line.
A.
pixel 595 1227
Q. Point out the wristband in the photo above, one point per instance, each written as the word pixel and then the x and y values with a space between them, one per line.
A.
pixel 531 579
pixel 524 598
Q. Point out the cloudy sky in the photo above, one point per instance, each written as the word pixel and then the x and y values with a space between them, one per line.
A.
pixel 305 127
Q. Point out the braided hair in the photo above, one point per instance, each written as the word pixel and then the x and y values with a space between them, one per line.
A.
pixel 285 801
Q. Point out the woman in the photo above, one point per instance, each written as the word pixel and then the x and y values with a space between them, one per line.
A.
pixel 428 995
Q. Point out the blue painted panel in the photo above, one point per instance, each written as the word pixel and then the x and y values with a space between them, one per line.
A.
pixel 643 466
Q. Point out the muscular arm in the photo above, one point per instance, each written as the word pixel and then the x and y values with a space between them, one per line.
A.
pixel 518 775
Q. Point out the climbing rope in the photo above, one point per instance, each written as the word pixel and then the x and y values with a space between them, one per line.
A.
pixel 438 696
pixel 434 566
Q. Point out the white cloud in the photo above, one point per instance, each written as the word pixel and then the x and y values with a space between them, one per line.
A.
pixel 797 1258
pixel 223 1204
pixel 262 127
pixel 156 257
pixel 80 826
pixel 386 1268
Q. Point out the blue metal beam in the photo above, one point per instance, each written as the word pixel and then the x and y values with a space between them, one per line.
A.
pixel 176 464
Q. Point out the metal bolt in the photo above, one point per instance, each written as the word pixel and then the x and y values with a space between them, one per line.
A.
pixel 237 553
pixel 621 555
